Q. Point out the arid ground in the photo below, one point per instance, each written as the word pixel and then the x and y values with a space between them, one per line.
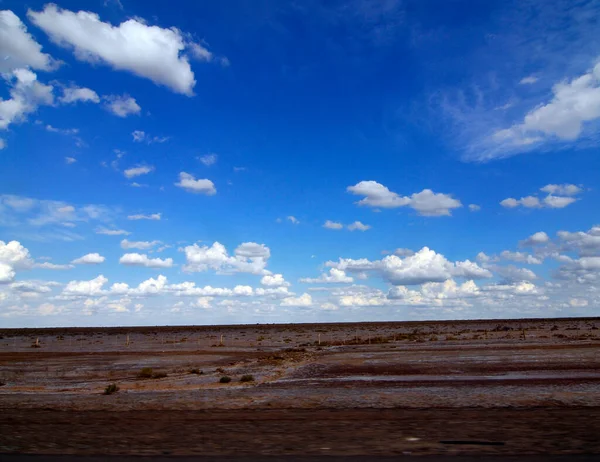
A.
pixel 468 387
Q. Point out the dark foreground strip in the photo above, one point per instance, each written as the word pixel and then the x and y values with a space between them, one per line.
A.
pixel 524 458
pixel 477 443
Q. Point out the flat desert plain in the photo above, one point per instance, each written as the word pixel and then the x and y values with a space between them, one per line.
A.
pixel 419 388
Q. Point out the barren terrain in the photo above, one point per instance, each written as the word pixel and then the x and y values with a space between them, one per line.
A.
pixel 527 386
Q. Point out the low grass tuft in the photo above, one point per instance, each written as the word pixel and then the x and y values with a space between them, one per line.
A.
pixel 247 378
pixel 112 388
pixel 225 379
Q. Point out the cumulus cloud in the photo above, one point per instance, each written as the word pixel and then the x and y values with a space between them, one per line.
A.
pixel 75 94
pixel 552 200
pixel 70 160
pixel 90 288
pixel 535 239
pixel 189 183
pixel 208 159
pixel 152 216
pixel 136 259
pixel 562 189
pixel 138 171
pixel 426 202
pixel 584 242
pixel 512 274
pixel 89 259
pixel 248 257
pixel 474 207
pixel 520 257
pixel 335 276
pixel 563 118
pixel 424 266
pixel 147 51
pixel 274 280
pixel 18 48
pixel 26 95
pixel 13 256
pixel 292 219
pixel 303 300
pixel 333 225
pixel 122 106
pixel 358 226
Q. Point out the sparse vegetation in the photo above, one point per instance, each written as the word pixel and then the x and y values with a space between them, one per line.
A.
pixel 145 373
pixel 225 379
pixel 148 373
pixel 110 389
pixel 247 378
pixel 195 371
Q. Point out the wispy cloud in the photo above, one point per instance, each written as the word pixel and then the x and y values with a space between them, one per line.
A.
pixel 526 86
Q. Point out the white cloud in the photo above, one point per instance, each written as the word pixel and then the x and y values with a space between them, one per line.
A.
pixel 449 290
pixel 32 288
pixel 293 219
pixel 18 48
pixel 474 207
pixel 203 302
pixel 512 274
pixel 274 280
pixel 62 131
pixel 562 189
pixel 122 106
pixel 535 239
pixel 112 232
pixel 152 216
pixel 578 302
pixel 52 266
pixel 333 225
pixel 136 259
pixel 557 202
pixel 14 254
pixel 147 51
pixel 520 257
pixel 79 94
pixel 574 104
pixel 357 225
pixel 2 144
pixel 249 258
pixel 139 170
pixel 424 266
pixel 208 159
pixel 26 94
pixel 550 201
pixel 140 136
pixel 89 259
pixel 70 160
pixel 303 300
pixel 90 288
pixel 335 276
pixel 528 80
pixel 141 245
pixel 190 184
pixel 401 252
pixel 426 202
pixel 585 243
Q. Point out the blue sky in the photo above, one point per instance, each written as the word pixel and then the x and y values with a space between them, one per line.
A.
pixel 268 161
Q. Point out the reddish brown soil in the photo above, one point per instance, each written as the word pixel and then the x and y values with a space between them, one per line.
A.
pixel 532 385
